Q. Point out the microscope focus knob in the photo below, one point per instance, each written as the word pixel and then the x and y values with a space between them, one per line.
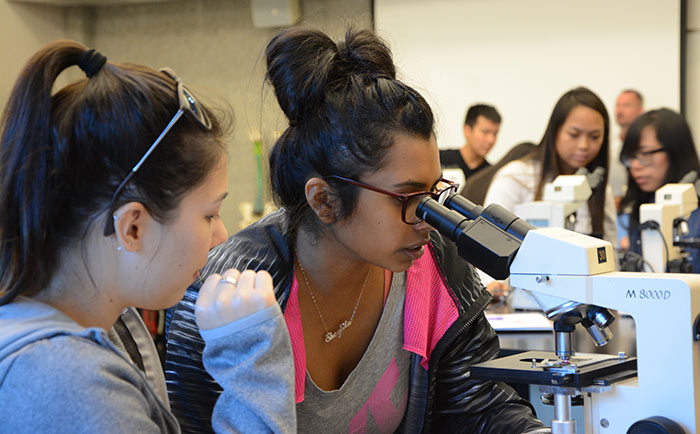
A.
pixel 656 425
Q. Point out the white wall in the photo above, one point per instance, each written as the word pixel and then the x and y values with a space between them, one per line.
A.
pixel 24 28
pixel 522 56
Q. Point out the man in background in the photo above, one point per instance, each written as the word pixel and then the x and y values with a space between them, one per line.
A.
pixel 481 127
pixel 629 105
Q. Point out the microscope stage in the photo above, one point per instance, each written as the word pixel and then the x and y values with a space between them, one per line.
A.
pixel 545 368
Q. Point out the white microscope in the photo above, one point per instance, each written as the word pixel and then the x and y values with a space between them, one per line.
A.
pixel 663 225
pixel 572 277
pixel 561 199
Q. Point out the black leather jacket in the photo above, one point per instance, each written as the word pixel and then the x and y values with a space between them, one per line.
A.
pixel 441 399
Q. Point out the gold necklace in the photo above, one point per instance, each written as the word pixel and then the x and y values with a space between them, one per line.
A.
pixel 329 336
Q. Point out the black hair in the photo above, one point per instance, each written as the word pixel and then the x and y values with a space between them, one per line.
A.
pixel 550 161
pixel 477 185
pixel 345 107
pixel 487 111
pixel 63 155
pixel 673 133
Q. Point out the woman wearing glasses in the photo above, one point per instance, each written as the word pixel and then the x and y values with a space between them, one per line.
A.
pixel 384 317
pixel 658 149
pixel 110 191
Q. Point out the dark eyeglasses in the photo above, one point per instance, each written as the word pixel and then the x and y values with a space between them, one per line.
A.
pixel 409 201
pixel 188 104
pixel 643 157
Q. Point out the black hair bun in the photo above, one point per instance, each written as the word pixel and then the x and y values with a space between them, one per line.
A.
pixel 304 64
pixel 364 53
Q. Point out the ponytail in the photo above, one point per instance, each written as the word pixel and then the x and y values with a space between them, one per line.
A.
pixel 26 164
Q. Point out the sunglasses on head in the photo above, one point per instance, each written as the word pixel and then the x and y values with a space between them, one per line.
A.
pixel 188 104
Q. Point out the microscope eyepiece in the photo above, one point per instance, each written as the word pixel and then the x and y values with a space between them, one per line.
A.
pixel 479 241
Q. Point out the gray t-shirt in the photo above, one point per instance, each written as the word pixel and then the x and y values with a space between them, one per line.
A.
pixel 373 397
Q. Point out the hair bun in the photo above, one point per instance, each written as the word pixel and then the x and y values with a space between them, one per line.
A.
pixel 364 53
pixel 300 63
pixel 304 64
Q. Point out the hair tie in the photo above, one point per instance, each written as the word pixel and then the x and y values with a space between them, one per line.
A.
pixel 91 62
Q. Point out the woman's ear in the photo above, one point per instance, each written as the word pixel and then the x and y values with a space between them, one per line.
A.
pixel 319 196
pixel 129 226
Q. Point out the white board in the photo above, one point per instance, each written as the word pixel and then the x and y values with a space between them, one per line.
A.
pixel 522 55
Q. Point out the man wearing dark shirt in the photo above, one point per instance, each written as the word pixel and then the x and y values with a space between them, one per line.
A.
pixel 481 127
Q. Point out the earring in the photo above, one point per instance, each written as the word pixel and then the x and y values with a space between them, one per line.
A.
pixel 119 248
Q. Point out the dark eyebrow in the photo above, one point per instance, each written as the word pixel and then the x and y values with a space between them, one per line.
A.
pixel 222 197
pixel 581 130
pixel 416 184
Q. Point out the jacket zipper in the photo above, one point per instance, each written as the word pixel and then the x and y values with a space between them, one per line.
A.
pixel 433 368
pixel 459 332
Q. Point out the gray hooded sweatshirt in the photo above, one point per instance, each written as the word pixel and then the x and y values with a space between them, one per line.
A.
pixel 59 377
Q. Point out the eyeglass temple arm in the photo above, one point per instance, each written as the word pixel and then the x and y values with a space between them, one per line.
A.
pixel 160 137
pixel 108 225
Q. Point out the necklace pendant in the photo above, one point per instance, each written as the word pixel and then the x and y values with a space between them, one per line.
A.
pixel 340 330
pixel 338 333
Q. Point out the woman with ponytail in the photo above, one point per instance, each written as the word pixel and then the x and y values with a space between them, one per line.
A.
pixel 384 317
pixel 110 190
